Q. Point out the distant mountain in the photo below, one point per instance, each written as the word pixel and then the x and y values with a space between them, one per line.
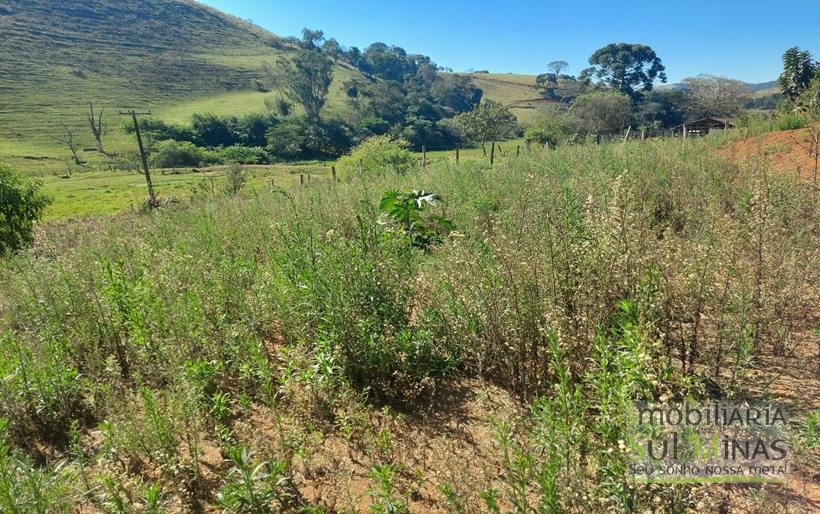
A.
pixel 766 87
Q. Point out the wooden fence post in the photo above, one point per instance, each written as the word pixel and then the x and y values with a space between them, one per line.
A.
pixel 456 155
pixel 628 131
pixel 301 180
pixel 492 154
pixel 333 171
pixel 423 156
pixel 518 150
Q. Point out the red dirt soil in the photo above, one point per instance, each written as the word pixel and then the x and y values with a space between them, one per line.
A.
pixel 787 151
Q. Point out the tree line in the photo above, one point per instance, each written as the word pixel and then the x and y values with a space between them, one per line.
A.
pixel 407 97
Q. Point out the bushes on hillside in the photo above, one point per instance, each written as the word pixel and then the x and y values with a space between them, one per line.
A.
pixel 379 154
pixel 21 205
pixel 212 130
pixel 159 130
pixel 299 138
pixel 244 155
pixel 372 126
pixel 172 154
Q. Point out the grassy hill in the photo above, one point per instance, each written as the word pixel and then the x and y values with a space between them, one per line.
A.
pixel 514 90
pixel 175 57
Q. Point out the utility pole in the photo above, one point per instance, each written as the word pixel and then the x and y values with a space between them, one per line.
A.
pixel 152 198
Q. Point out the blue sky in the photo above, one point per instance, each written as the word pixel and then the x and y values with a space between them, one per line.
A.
pixel 742 39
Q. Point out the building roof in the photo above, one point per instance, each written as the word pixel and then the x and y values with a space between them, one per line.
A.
pixel 710 121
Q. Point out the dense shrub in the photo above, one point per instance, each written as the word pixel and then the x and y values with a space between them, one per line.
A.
pixel 211 130
pixel 253 129
pixel 170 154
pixel 159 130
pixel 372 126
pixel 601 113
pixel 379 154
pixel 789 121
pixel 547 129
pixel 21 205
pixel 421 132
pixel 245 155
pixel 299 138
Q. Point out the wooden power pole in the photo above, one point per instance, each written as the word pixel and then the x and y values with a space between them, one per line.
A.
pixel 152 198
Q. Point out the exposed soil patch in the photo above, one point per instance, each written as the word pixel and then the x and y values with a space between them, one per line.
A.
pixel 787 151
pixel 442 446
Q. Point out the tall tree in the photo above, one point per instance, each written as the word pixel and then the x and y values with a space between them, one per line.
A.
pixel 799 69
pixel 311 39
pixel 557 67
pixel 709 95
pixel 305 79
pixel 626 66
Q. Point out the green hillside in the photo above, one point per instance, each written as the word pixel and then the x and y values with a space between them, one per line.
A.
pixel 514 90
pixel 175 57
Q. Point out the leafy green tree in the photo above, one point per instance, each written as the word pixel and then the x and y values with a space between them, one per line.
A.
pixel 625 67
pixel 799 68
pixel 304 79
pixel 388 62
pixel 601 112
pixel 548 82
pixel 312 39
pixel 660 109
pixel 21 205
pixel 489 121
pixel 549 128
pixel 456 93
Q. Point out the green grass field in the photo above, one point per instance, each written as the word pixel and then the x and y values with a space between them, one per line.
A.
pixel 97 193
pixel 88 192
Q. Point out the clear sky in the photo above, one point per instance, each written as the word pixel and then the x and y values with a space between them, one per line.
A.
pixel 742 39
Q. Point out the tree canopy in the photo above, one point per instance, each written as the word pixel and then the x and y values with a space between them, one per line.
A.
pixel 709 95
pixel 601 112
pixel 625 67
pixel 489 121
pixel 21 205
pixel 799 68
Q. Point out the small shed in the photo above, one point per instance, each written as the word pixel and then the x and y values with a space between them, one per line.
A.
pixel 704 126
